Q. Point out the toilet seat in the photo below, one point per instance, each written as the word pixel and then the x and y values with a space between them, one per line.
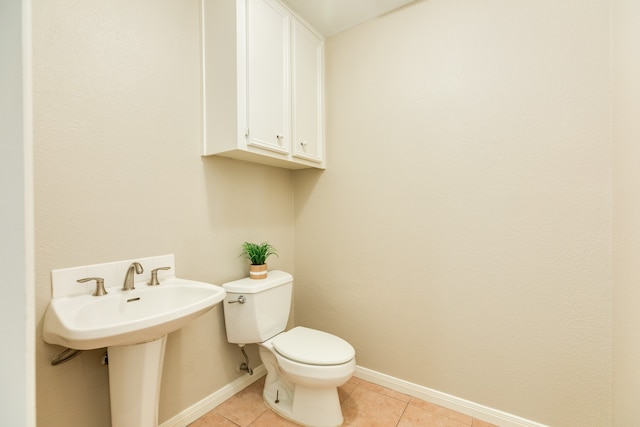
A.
pixel 313 347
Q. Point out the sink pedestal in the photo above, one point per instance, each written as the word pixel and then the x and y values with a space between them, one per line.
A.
pixel 135 372
pixel 128 323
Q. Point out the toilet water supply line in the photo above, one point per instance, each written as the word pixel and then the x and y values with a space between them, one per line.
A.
pixel 244 366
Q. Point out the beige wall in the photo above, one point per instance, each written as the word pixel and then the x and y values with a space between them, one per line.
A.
pixel 118 175
pixel 626 139
pixel 461 236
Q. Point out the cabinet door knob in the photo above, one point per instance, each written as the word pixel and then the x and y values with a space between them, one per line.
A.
pixel 280 137
pixel 303 143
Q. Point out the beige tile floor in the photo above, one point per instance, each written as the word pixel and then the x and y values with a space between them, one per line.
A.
pixel 364 404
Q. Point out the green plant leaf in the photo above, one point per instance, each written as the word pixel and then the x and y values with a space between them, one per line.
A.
pixel 257 254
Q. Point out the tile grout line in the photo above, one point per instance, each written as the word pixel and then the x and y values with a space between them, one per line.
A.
pixel 402 414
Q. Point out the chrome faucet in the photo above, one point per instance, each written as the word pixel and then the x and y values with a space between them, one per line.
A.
pixel 128 278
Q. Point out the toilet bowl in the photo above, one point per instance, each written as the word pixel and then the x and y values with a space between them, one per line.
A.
pixel 304 366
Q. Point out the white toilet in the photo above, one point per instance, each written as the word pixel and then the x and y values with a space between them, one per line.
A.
pixel 304 366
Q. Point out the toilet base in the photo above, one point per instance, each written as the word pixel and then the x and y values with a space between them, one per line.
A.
pixel 313 407
pixel 309 406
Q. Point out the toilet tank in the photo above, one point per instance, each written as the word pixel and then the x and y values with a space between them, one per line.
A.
pixel 265 310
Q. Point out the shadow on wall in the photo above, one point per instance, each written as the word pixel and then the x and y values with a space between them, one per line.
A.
pixel 304 182
pixel 242 194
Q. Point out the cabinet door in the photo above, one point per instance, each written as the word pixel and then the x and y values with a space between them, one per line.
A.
pixel 308 117
pixel 268 82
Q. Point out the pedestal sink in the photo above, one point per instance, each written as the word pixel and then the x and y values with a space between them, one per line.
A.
pixel 133 325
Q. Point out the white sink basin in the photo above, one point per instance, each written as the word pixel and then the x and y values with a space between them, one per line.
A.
pixel 86 322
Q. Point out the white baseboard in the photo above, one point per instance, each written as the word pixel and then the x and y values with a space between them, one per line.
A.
pixel 483 413
pixel 475 410
pixel 200 408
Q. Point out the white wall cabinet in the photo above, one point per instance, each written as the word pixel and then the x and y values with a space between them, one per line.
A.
pixel 308 89
pixel 263 80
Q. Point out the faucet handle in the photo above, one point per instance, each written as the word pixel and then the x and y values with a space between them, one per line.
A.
pixel 99 285
pixel 154 276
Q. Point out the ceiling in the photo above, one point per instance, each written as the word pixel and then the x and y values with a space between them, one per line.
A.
pixel 330 17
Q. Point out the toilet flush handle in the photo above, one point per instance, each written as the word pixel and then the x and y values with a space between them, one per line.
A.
pixel 241 299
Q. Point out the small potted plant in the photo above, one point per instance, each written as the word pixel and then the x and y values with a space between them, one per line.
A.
pixel 257 255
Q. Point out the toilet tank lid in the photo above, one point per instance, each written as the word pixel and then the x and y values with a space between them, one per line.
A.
pixel 252 286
